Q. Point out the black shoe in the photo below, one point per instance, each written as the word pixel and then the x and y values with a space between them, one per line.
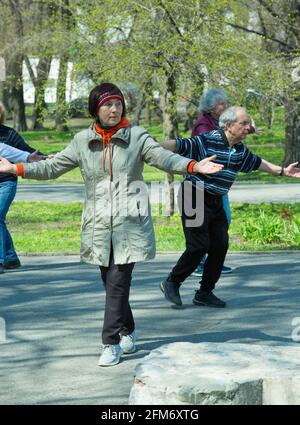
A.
pixel 171 291
pixel 208 299
pixel 226 270
pixel 13 264
pixel 1 269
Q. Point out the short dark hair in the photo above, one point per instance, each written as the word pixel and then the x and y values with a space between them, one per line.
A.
pixel 99 90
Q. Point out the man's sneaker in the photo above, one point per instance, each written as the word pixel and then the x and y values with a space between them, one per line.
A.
pixel 127 343
pixel 226 270
pixel 199 270
pixel 208 299
pixel 13 264
pixel 1 268
pixel 111 355
pixel 171 291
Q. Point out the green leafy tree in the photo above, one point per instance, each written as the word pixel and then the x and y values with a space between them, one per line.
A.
pixel 12 51
pixel 274 25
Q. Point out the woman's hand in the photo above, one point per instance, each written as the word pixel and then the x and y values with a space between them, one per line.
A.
pixel 7 167
pixel 206 166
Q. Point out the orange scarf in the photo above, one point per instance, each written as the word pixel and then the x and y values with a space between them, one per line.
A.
pixel 106 135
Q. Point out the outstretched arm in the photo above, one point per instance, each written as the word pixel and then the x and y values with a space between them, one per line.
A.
pixel 13 154
pixel 157 155
pixel 289 171
pixel 52 168
pixel 206 166
pixel 170 145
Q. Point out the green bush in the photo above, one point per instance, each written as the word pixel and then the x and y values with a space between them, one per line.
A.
pixel 264 228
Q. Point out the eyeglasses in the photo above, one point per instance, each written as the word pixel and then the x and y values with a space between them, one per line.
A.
pixel 243 123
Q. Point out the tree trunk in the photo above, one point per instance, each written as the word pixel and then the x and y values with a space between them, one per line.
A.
pixel 267 109
pixel 4 95
pixel 139 110
pixel 148 113
pixel 170 131
pixel 192 109
pixel 61 106
pixel 17 94
pixel 292 131
pixel 40 82
pixel 15 71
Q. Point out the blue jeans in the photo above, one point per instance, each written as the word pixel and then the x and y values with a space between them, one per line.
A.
pixel 226 207
pixel 7 193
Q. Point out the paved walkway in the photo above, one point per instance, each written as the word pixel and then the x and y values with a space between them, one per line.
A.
pixel 53 310
pixel 251 193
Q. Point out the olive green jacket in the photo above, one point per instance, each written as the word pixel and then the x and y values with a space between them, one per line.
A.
pixel 116 214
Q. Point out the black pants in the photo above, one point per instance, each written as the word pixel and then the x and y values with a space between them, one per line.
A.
pixel 211 238
pixel 118 319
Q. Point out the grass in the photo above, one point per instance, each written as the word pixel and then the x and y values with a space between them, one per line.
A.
pixel 55 227
pixel 45 226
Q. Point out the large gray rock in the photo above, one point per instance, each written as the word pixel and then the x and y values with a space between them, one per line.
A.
pixel 218 373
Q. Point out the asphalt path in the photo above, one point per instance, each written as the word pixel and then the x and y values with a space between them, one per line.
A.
pixel 251 193
pixel 51 315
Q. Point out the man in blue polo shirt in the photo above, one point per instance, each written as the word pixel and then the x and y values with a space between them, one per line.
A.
pixel 211 236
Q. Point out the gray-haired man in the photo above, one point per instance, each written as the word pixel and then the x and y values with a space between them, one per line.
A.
pixel 212 235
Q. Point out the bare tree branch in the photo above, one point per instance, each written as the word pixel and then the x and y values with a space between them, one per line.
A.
pixel 294 29
pixel 242 28
pixel 170 17
pixel 262 22
pixel 267 6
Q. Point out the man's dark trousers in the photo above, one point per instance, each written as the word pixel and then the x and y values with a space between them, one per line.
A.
pixel 211 237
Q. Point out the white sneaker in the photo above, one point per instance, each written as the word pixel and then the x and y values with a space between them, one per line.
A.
pixel 127 343
pixel 111 355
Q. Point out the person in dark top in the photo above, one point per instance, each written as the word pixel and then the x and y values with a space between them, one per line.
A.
pixel 213 103
pixel 211 234
pixel 8 187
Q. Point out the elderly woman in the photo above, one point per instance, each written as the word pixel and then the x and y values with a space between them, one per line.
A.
pixel 213 103
pixel 117 230
pixel 12 147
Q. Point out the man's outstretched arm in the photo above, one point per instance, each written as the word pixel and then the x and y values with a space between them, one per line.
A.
pixel 276 170
pixel 170 145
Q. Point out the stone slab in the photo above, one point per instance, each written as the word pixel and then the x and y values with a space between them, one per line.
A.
pixel 218 373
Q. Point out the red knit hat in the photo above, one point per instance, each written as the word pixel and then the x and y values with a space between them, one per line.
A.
pixel 107 92
pixel 101 94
